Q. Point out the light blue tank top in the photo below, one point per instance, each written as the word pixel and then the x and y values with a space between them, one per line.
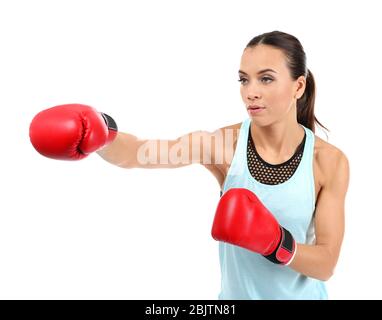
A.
pixel 248 275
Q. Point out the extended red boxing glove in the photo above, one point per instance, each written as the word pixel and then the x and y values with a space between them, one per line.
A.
pixel 71 131
pixel 241 219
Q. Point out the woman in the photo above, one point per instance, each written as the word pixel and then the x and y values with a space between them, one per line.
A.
pixel 274 154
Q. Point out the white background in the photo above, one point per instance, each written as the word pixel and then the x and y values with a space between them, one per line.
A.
pixel 90 230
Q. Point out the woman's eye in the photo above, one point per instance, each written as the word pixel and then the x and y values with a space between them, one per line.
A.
pixel 241 80
pixel 266 78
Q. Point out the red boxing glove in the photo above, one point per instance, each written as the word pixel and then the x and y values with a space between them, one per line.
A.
pixel 71 131
pixel 241 219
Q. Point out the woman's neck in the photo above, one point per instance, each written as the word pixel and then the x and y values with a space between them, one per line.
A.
pixel 278 139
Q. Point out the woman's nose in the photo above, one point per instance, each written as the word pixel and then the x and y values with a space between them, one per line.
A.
pixel 253 93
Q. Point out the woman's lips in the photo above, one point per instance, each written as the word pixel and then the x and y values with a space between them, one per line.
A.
pixel 255 109
pixel 254 106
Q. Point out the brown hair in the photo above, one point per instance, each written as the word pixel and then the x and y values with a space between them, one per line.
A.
pixel 296 62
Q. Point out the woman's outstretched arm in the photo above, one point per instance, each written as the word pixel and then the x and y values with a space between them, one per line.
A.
pixel 128 151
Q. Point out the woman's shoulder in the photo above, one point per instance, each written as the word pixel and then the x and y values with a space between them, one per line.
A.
pixel 233 126
pixel 230 131
pixel 328 157
pixel 326 151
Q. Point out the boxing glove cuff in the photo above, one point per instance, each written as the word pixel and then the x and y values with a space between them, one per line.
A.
pixel 111 125
pixel 286 249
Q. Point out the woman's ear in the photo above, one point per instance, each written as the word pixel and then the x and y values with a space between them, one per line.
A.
pixel 300 87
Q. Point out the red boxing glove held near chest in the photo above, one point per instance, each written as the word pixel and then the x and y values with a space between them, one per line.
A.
pixel 241 219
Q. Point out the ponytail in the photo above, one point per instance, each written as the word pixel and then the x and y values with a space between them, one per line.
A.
pixel 305 105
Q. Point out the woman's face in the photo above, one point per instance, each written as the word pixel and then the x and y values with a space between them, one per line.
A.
pixel 274 91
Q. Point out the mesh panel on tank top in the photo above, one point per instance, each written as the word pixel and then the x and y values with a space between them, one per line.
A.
pixel 272 174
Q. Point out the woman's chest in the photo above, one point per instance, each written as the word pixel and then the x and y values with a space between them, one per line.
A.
pixel 221 171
